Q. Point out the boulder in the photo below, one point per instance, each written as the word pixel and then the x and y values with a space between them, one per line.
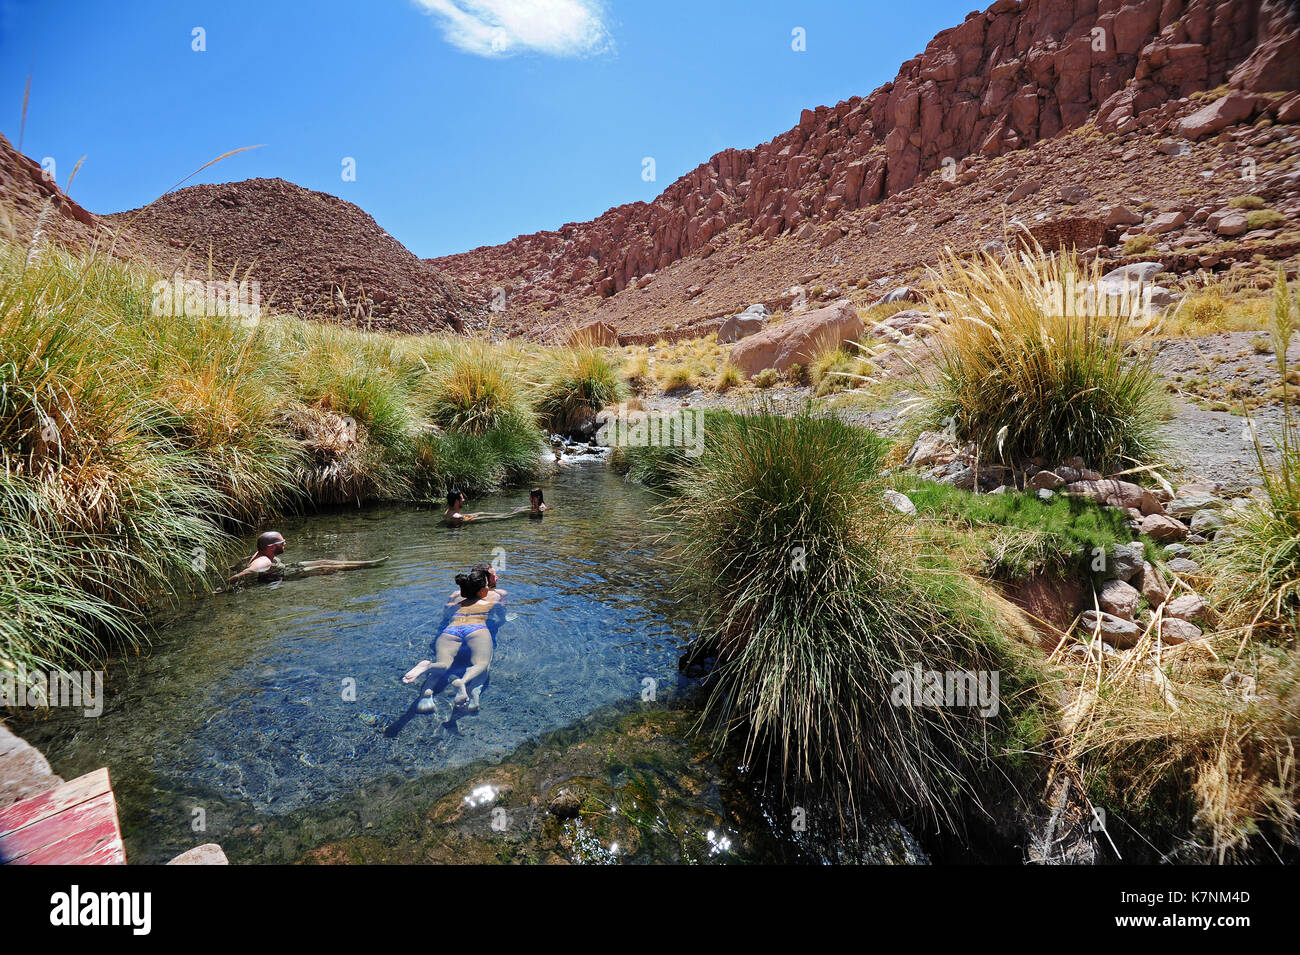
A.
pixel 907 322
pixel 1183 567
pixel 1206 521
pixel 1162 529
pixel 741 325
pixel 207 854
pixel 594 333
pixel 1187 607
pixel 1118 599
pixel 898 501
pixel 903 293
pixel 1185 505
pixel 1228 223
pixel 1174 631
pixel 1115 493
pixel 1046 479
pixel 1121 215
pixel 1154 588
pixel 1167 222
pixel 1126 278
pixel 1115 630
pixel 1125 561
pixel 801 339
pixel 928 448
pixel 1231 109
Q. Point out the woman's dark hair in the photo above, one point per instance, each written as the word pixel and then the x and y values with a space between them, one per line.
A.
pixel 485 568
pixel 471 582
pixel 453 496
pixel 536 493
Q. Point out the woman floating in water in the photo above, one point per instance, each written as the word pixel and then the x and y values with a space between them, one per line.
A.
pixel 468 627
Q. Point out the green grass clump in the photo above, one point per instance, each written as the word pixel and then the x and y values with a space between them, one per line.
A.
pixel 1022 374
pixel 816 600
pixel 475 391
pixel 1015 535
pixel 1264 219
pixel 767 378
pixel 1246 202
pixel 575 386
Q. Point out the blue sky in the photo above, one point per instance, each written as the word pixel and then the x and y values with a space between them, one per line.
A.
pixel 470 121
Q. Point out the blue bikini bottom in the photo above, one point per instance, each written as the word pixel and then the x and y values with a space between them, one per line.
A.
pixel 461 631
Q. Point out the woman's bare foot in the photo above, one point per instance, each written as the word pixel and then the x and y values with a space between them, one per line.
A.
pixel 417 671
pixel 472 705
pixel 462 697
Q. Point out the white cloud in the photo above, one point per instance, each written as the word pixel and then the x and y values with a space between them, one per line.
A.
pixel 506 27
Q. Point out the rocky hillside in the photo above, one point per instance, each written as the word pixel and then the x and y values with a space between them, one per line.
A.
pixel 960 116
pixel 314 254
pixel 35 211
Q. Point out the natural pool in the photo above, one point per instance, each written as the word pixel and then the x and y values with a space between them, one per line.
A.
pixel 258 703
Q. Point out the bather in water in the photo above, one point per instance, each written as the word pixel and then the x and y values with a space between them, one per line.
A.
pixel 265 564
pixel 468 627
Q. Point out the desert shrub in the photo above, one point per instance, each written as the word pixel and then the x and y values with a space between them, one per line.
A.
pixel 1021 374
pixel 817 600
pixel 576 384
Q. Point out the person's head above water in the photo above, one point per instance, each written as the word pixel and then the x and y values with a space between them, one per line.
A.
pixel 455 499
pixel 488 571
pixel 270 543
pixel 472 583
pixel 535 499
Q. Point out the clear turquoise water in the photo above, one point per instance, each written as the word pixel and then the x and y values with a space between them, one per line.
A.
pixel 239 710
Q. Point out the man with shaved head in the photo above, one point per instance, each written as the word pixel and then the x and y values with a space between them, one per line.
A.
pixel 270 545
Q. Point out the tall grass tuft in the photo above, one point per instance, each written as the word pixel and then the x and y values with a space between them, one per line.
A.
pixel 815 598
pixel 1255 562
pixel 1022 371
pixel 475 391
pixel 576 384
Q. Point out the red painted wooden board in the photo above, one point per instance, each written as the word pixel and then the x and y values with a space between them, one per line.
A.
pixel 72 824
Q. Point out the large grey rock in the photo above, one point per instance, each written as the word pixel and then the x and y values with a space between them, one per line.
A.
pixel 1125 561
pixel 903 293
pixel 1185 505
pixel 1206 521
pixel 207 854
pixel 1187 607
pixel 900 502
pixel 1162 529
pixel 1114 630
pixel 1127 277
pixel 927 449
pixel 1118 599
pixel 1115 493
pixel 800 339
pixel 24 771
pixel 736 327
pixel 1174 630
